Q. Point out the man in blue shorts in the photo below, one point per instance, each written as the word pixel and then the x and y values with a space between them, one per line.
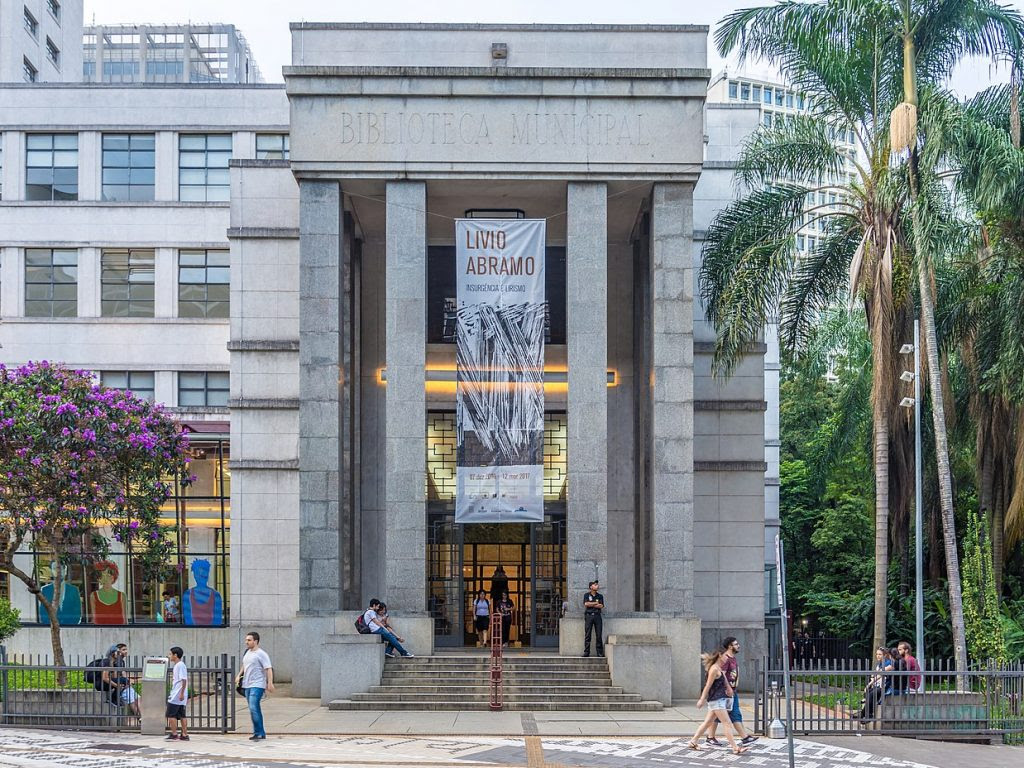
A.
pixel 731 670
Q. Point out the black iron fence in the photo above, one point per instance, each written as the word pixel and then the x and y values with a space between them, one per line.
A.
pixel 34 693
pixel 852 697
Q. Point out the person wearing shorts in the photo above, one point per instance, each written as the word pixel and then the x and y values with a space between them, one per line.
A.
pixel 718 695
pixel 178 697
pixel 729 665
pixel 482 618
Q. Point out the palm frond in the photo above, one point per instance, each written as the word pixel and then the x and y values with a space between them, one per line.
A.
pixel 748 254
pixel 796 148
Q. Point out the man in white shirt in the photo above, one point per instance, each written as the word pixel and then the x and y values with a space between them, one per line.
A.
pixel 394 644
pixel 178 697
pixel 257 678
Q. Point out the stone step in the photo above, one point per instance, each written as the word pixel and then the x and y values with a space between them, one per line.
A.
pixel 511 706
pixel 429 699
pixel 519 678
pixel 509 689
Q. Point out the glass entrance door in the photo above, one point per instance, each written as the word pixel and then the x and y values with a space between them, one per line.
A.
pixel 444 578
pixel 549 588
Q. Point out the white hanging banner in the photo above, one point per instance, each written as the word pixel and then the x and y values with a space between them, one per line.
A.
pixel 499 266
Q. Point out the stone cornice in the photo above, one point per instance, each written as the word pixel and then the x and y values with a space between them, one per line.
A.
pixel 730 405
pixel 264 403
pixel 263 233
pixel 265 464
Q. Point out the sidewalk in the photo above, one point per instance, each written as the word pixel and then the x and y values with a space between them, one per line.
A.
pixel 287 716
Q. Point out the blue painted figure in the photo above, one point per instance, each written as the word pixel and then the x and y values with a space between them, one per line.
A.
pixel 69 612
pixel 201 605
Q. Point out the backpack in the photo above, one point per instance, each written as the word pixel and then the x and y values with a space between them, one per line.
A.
pixel 361 625
pixel 94 673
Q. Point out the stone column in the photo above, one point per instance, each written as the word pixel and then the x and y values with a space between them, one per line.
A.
pixel 587 349
pixel 320 377
pixel 405 426
pixel 672 411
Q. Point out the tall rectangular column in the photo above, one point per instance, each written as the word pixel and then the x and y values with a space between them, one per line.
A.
pixel 672 408
pixel 587 351
pixel 405 437
pixel 321 375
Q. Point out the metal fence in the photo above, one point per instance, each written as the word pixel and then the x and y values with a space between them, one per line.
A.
pixel 36 694
pixel 851 697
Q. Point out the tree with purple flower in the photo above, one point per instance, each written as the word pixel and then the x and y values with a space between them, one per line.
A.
pixel 81 464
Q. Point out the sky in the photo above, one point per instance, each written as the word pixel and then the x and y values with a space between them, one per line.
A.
pixel 265 22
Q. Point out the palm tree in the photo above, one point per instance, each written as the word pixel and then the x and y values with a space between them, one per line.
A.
pixel 982 306
pixel 846 55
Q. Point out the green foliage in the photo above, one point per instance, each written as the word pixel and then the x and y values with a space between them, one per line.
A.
pixel 1013 629
pixel 982 619
pixel 10 619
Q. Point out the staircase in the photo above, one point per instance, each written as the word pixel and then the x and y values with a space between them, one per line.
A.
pixel 531 683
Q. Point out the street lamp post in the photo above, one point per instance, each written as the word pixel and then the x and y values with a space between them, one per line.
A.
pixel 915 401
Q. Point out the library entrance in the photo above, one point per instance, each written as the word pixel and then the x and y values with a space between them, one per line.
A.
pixel 525 559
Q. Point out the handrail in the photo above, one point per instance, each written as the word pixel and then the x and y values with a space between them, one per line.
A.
pixel 497 687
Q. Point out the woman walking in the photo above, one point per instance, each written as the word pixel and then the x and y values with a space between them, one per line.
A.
pixel 718 695
pixel 481 617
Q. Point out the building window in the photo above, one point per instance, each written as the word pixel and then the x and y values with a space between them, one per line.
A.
pixel 203 283
pixel 54 7
pixel 202 389
pixel 789 99
pixel 767 119
pixel 733 89
pixel 801 243
pixel 127 283
pixel 51 282
pixel 272 146
pixel 767 94
pixel 800 101
pixel 745 91
pixel 139 383
pixel 756 94
pixel 28 72
pixel 778 97
pixel 53 52
pixel 203 167
pixel 115 590
pixel 31 25
pixel 51 166
pixel 128 166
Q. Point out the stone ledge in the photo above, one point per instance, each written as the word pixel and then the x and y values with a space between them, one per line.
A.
pixel 730 405
pixel 730 466
pixel 637 640
pixel 264 404
pixel 264 345
pixel 630 73
pixel 265 464
pixel 708 348
pixel 263 233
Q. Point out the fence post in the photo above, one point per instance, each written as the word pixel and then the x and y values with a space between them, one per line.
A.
pixel 757 697
pixel 226 689
pixel 3 678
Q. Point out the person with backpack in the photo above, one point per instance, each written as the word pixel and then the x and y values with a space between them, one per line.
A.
pixel 377 626
pixel 117 685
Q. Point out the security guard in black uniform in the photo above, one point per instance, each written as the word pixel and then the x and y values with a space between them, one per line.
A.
pixel 593 605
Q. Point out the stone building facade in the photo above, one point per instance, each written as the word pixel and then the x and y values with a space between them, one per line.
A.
pixel 339 343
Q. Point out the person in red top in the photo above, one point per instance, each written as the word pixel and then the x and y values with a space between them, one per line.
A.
pixel 731 670
pixel 911 665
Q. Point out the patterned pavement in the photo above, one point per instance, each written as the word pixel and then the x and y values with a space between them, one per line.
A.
pixel 43 749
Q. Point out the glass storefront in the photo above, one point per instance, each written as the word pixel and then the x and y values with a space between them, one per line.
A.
pixel 526 560
pixel 115 591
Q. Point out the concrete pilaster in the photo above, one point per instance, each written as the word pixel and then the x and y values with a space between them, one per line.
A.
pixel 166 171
pixel 587 350
pixel 405 420
pixel 165 283
pixel 90 288
pixel 89 165
pixel 11 277
pixel 672 409
pixel 320 374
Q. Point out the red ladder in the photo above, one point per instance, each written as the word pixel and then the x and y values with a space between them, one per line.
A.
pixel 496 643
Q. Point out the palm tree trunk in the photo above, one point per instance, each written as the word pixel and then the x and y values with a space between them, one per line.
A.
pixel 881 427
pixel 956 606
pixel 924 275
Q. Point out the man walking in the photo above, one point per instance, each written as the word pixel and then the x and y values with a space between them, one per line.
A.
pixel 593 605
pixel 731 670
pixel 257 678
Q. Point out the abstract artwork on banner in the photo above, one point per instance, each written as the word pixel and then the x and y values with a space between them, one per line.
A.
pixel 500 370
